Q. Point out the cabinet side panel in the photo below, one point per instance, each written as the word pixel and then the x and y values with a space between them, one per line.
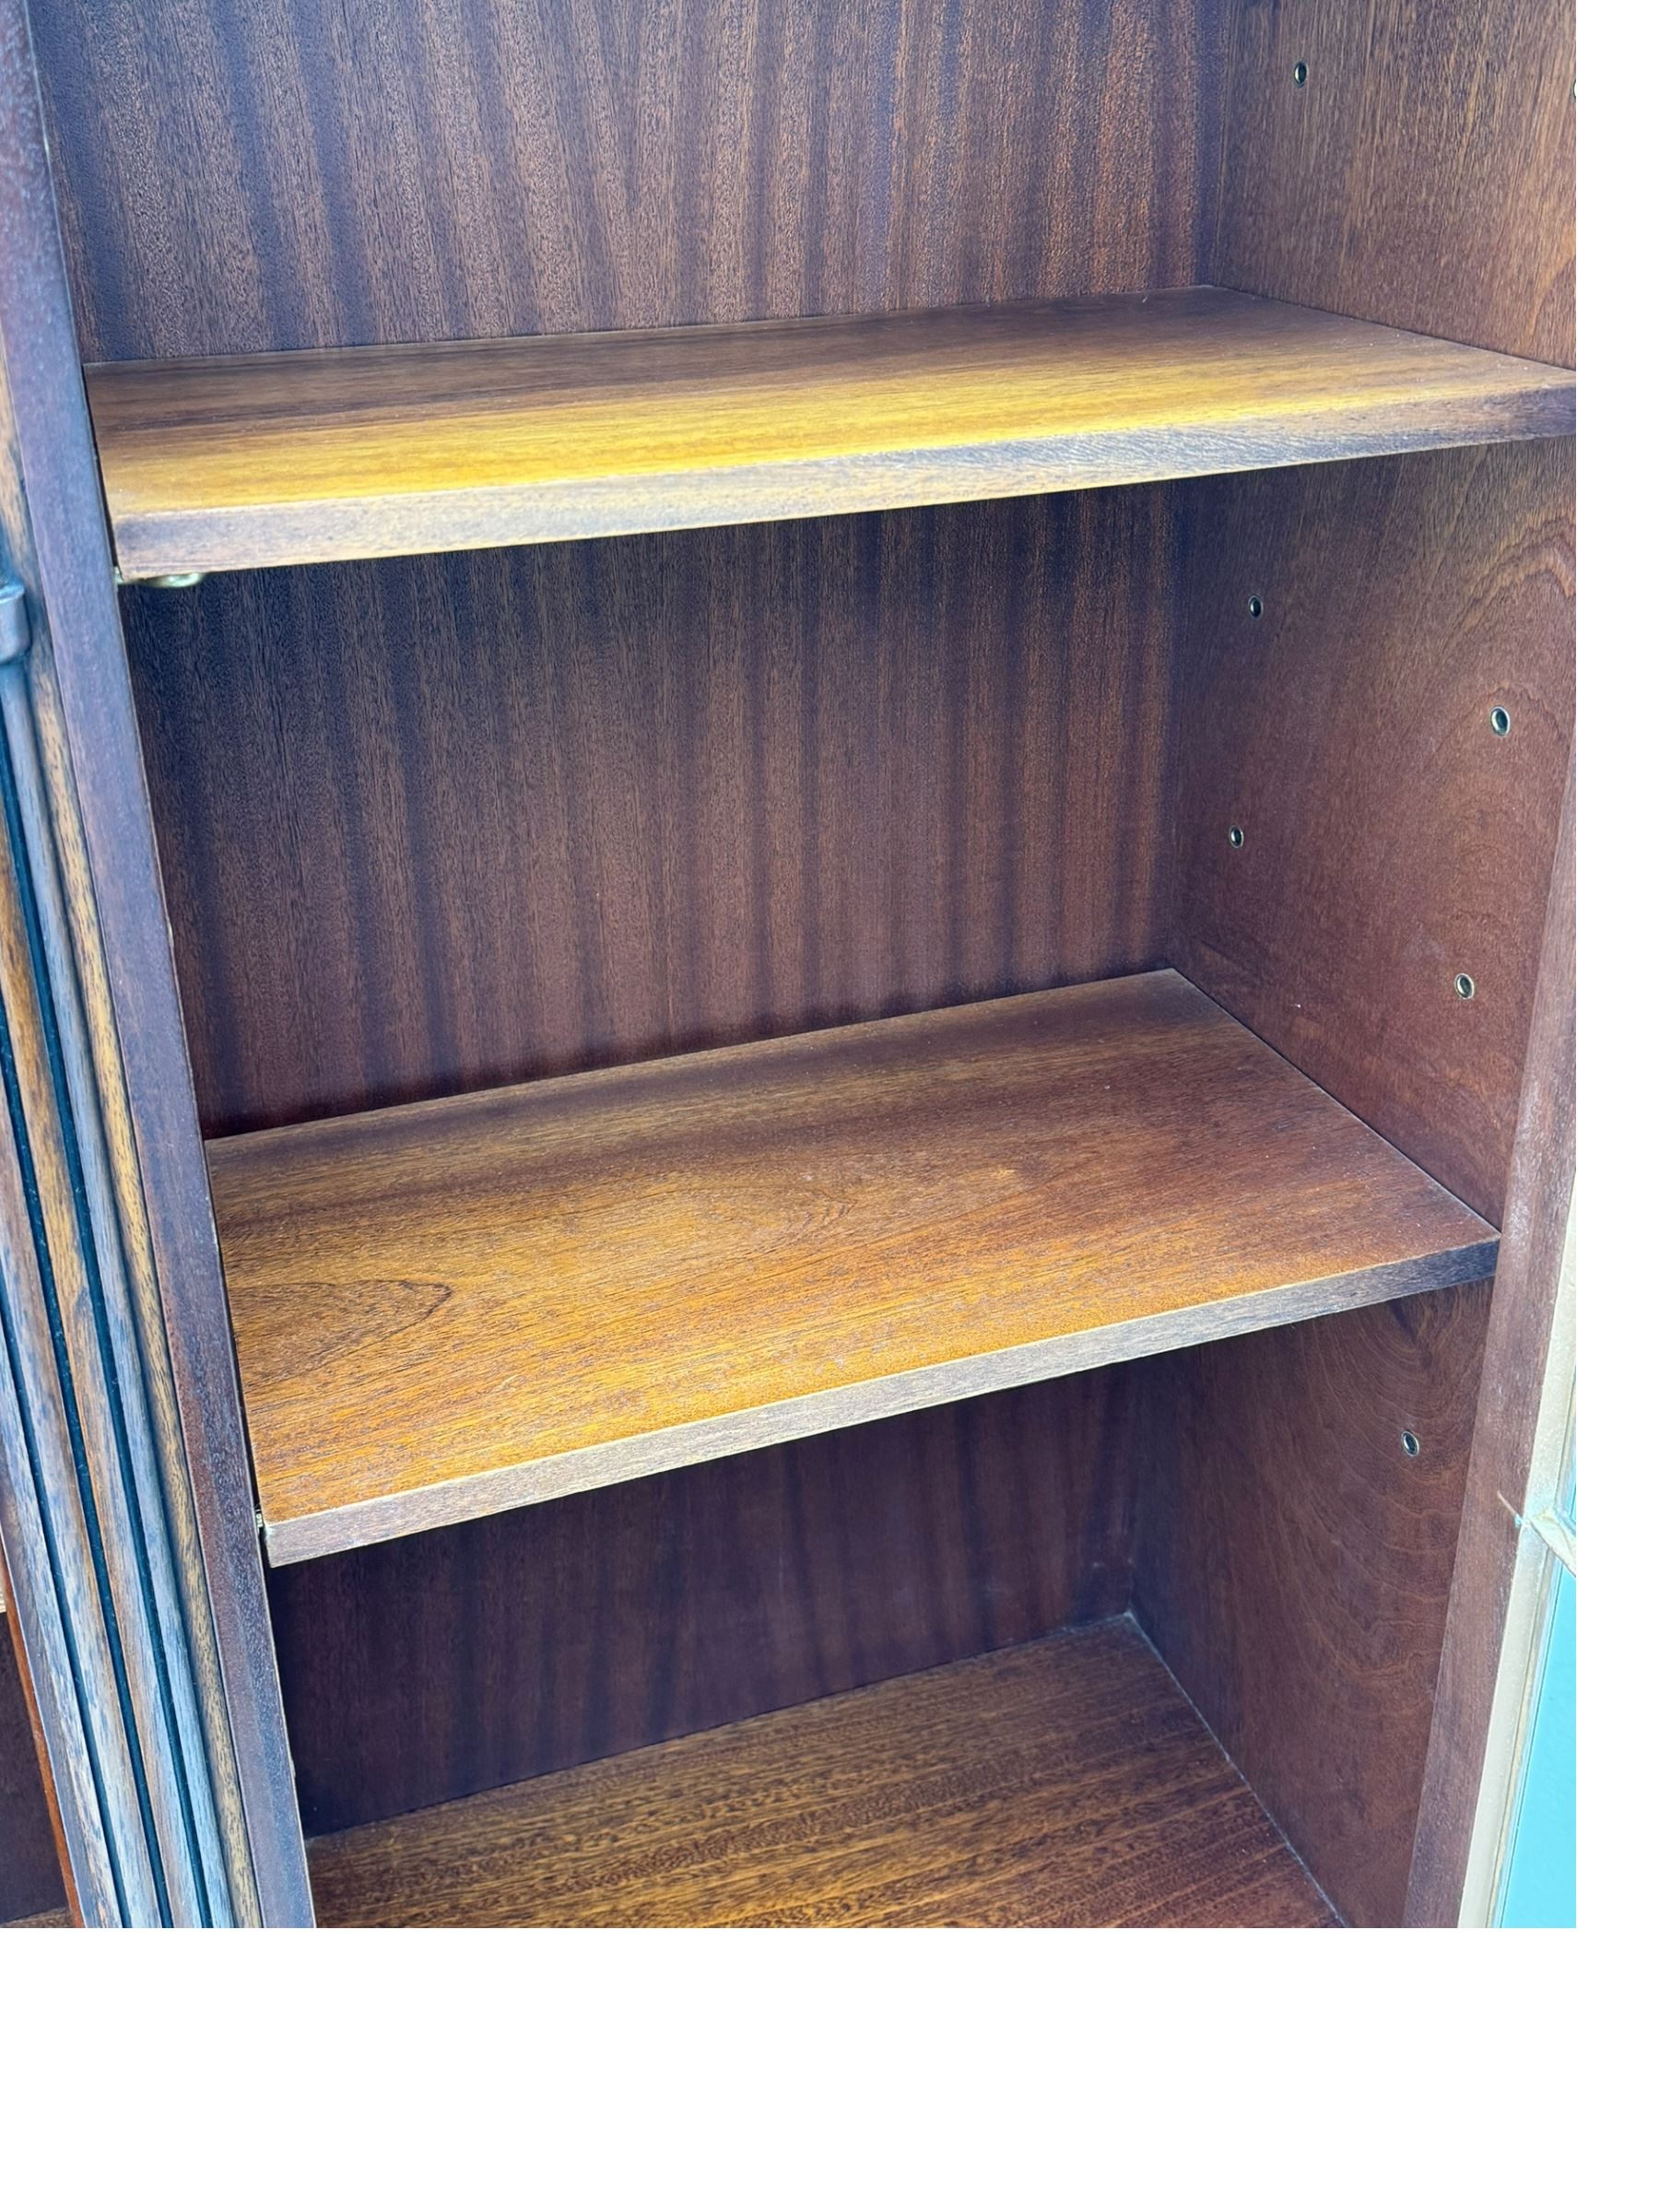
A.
pixel 1293 1562
pixel 1420 173
pixel 1373 744
pixel 338 173
pixel 1514 1393
pixel 1393 839
pixel 446 1663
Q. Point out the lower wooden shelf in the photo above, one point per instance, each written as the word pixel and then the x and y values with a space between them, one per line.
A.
pixel 1066 1783
pixel 453 1308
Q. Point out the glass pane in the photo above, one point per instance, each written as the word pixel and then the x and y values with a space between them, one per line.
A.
pixel 1541 1891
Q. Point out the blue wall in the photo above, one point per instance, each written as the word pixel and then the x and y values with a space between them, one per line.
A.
pixel 1541 1891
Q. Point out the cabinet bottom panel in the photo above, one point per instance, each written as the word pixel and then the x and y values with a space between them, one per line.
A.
pixel 1064 1783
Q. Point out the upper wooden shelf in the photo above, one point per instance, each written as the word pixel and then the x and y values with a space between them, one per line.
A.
pixel 449 1308
pixel 267 459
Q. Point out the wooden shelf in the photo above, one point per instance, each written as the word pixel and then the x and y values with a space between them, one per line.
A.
pixel 449 1308
pixel 262 460
pixel 1066 1783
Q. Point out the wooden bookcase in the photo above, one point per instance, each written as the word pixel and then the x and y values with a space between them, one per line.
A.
pixel 786 951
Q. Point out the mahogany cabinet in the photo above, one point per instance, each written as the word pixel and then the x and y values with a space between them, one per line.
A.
pixel 785 939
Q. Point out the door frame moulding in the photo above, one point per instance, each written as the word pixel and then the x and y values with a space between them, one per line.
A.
pixel 125 1503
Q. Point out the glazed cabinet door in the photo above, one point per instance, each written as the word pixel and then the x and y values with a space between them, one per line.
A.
pixel 126 1511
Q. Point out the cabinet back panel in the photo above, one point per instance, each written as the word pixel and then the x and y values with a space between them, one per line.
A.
pixel 1393 839
pixel 1422 174
pixel 445 1663
pixel 341 172
pixel 433 824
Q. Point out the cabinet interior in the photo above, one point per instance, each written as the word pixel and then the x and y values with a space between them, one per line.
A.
pixel 867 672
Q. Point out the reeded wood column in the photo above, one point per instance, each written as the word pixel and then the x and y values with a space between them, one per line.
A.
pixel 126 1506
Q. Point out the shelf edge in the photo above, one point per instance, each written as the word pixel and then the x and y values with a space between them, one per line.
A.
pixel 627 1459
pixel 301 532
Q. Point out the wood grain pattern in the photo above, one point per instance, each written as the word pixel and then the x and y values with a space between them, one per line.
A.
pixel 1512 1389
pixel 1292 1564
pixel 340 756
pixel 263 460
pixel 456 1308
pixel 1423 174
pixel 455 1661
pixel 430 826
pixel 340 172
pixel 1064 1785
pixel 1392 840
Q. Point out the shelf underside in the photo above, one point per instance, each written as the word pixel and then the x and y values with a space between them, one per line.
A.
pixel 262 460
pixel 454 1308
pixel 1066 1783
